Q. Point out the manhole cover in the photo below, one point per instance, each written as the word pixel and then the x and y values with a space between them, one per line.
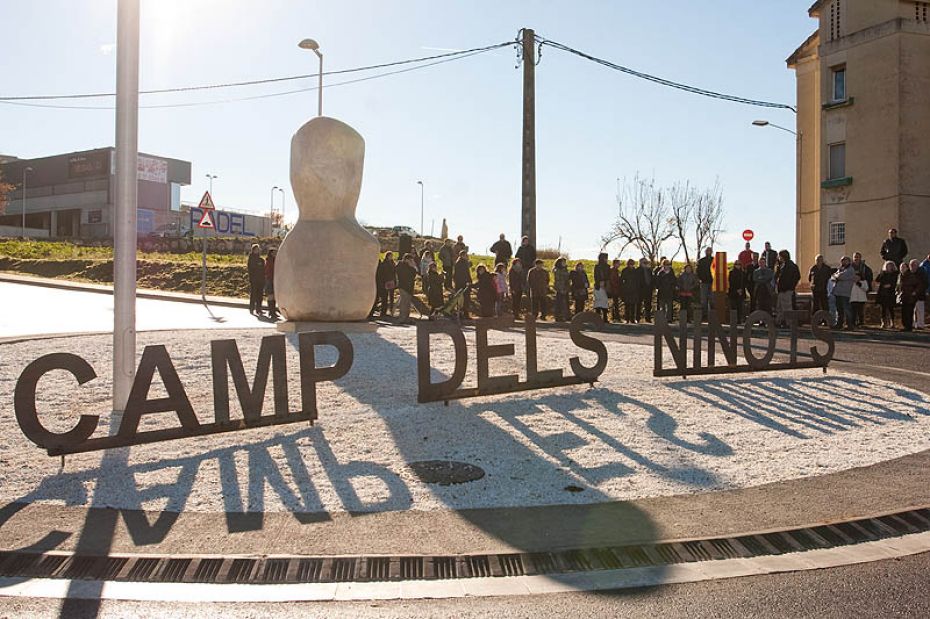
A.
pixel 446 472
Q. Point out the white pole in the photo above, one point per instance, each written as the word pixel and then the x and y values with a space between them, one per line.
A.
pixel 124 209
pixel 283 226
pixel 203 245
pixel 320 89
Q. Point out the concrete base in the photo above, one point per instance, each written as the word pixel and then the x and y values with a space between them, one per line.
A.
pixel 345 327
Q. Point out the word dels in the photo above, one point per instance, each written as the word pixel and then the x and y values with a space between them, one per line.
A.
pixel 716 334
pixel 225 360
pixel 487 384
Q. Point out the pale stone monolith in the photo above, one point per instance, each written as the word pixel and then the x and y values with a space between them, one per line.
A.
pixel 325 270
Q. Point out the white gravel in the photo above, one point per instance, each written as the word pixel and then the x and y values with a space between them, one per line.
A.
pixel 632 437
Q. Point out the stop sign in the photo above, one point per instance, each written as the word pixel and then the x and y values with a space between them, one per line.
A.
pixel 748 235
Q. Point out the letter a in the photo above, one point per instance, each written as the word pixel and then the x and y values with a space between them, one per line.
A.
pixel 156 358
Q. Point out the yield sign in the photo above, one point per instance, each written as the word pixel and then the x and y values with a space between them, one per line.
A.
pixel 206 202
pixel 206 220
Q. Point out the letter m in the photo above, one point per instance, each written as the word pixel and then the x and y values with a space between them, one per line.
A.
pixel 225 358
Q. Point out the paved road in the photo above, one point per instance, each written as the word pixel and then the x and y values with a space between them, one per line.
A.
pixel 33 310
pixel 895 588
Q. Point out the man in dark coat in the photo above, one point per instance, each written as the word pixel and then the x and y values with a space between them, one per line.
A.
pixel 537 280
pixel 736 290
pixel 256 268
pixel 666 288
pixel 631 291
pixel 386 281
pixel 447 258
pixel 526 253
pixel 644 310
pixel 769 255
pixel 502 251
pixel 705 275
pixel 787 276
pixel 819 276
pixel 894 248
pixel 461 279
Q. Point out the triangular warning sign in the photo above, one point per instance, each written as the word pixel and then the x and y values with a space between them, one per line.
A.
pixel 206 220
pixel 206 202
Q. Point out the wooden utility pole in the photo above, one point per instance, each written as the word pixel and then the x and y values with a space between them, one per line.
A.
pixel 528 218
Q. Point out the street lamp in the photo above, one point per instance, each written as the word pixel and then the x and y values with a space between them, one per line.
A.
pixel 765 123
pixel 271 209
pixel 25 170
pixel 211 177
pixel 420 183
pixel 282 207
pixel 798 135
pixel 315 48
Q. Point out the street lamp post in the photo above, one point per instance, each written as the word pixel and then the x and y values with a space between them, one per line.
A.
pixel 315 48
pixel 271 210
pixel 798 137
pixel 420 183
pixel 25 170
pixel 203 243
pixel 282 207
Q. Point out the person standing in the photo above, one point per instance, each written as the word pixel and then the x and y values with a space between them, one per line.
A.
pixel 736 289
pixel 487 291
pixel 500 286
pixel 631 289
pixel 461 280
pixel 688 285
pixel 894 248
pixel 502 251
pixel 269 283
pixel 922 285
pixel 644 308
pixel 426 258
pixel 908 290
pixel 769 255
pixel 406 278
pixel 578 281
pixel 705 274
pixel 447 258
pixel 762 278
pixel 786 281
pixel 517 280
pixel 601 281
pixel 750 282
pixel 386 279
pixel 745 256
pixel 256 269
pixel 434 287
pixel 843 279
pixel 527 253
pixel 459 246
pixel 538 284
pixel 561 282
pixel 886 286
pixel 865 278
pixel 921 303
pixel 665 284
pixel 613 290
pixel 818 276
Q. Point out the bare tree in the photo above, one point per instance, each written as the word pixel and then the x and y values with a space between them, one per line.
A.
pixel 644 220
pixel 5 190
pixel 707 217
pixel 682 199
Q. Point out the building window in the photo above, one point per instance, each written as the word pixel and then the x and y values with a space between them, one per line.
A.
pixel 922 12
pixel 839 84
pixel 836 19
pixel 837 233
pixel 837 161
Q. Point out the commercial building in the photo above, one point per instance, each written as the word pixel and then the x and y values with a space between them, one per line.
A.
pixel 71 195
pixel 863 95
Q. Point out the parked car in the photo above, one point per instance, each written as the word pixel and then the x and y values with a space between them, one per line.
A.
pixel 398 230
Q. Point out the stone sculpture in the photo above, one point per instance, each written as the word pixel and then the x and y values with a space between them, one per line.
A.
pixel 325 270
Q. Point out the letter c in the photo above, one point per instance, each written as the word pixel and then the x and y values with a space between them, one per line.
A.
pixel 24 401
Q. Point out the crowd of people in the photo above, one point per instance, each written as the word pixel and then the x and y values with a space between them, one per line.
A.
pixel 632 291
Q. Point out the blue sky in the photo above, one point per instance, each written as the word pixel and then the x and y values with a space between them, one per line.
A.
pixel 456 126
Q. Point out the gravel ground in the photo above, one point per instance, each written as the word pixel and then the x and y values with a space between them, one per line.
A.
pixel 631 437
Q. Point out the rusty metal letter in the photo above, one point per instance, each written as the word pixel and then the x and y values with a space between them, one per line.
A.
pixel 534 377
pixel 759 363
pixel 486 382
pixel 310 374
pixel 715 335
pixel 156 358
pixel 587 342
pixel 224 354
pixel 824 334
pixel 24 400
pixel 431 392
pixel 679 352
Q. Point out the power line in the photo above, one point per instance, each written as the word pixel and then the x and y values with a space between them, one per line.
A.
pixel 663 81
pixel 449 55
pixel 254 97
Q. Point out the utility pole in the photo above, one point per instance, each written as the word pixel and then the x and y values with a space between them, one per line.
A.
pixel 528 213
pixel 124 210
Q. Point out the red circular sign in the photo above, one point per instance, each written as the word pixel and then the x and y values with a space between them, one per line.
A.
pixel 748 235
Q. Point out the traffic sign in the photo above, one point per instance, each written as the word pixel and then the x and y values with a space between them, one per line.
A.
pixel 206 220
pixel 206 202
pixel 748 235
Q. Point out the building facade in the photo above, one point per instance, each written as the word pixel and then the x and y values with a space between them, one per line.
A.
pixel 71 195
pixel 863 97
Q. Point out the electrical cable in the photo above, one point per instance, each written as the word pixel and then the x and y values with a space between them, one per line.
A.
pixel 663 81
pixel 253 97
pixel 449 55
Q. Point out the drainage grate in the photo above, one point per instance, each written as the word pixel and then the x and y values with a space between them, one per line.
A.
pixel 445 472
pixel 260 570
